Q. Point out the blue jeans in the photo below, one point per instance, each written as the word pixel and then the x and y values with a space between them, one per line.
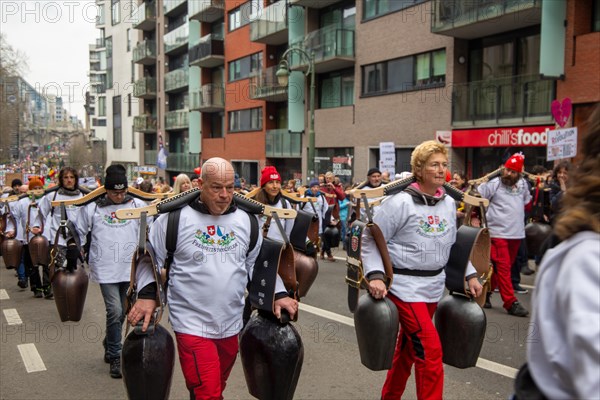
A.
pixel 114 295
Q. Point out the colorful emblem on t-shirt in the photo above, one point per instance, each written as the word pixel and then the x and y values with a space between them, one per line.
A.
pixel 355 233
pixel 432 225
pixel 215 237
pixel 112 220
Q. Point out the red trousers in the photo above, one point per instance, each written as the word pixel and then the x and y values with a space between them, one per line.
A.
pixel 419 344
pixel 206 364
pixel 503 255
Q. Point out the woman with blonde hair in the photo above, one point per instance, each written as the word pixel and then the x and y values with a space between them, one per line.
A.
pixel 182 184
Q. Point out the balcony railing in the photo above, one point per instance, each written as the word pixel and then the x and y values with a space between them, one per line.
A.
pixel 145 52
pixel 206 10
pixel 523 98
pixel 271 26
pixel 209 52
pixel 100 20
pixel 333 49
pixel 100 43
pixel 265 86
pixel 173 5
pixel 145 16
pixel 469 19
pixel 150 157
pixel 314 3
pixel 177 119
pixel 182 161
pixel 176 80
pixel 210 98
pixel 145 88
pixel 94 58
pixel 279 143
pixel 144 123
pixel 177 39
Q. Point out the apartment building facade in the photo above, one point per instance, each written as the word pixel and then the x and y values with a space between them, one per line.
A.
pixel 467 73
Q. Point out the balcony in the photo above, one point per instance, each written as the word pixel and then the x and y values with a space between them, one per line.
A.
pixel 150 157
pixel 264 86
pixel 100 44
pixel 210 98
pixel 145 53
pixel 502 101
pixel 173 6
pixel 144 123
pixel 182 161
pixel 176 41
pixel 271 27
pixel 145 16
pixel 145 88
pixel 97 79
pixel 313 3
pixel 209 52
pixel 280 143
pixel 206 10
pixel 177 119
pixel 176 81
pixel 470 19
pixel 94 58
pixel 100 21
pixel 333 49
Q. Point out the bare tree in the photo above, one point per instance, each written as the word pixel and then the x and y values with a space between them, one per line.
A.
pixel 13 63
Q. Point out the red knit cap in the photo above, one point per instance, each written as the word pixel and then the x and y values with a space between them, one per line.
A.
pixel 515 162
pixel 269 174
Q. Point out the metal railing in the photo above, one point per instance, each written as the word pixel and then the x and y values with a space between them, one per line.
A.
pixel 513 97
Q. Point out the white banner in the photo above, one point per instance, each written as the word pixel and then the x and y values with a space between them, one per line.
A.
pixel 387 157
pixel 562 143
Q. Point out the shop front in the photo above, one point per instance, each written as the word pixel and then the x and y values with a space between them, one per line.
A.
pixel 485 149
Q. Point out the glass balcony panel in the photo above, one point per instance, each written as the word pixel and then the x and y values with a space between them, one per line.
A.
pixel 206 10
pixel 150 157
pixel 183 161
pixel 177 38
pixel 280 143
pixel 271 26
pixel 469 19
pixel 171 5
pixel 144 123
pixel 210 98
pixel 176 80
pixel 333 49
pixel 265 86
pixel 145 16
pixel 520 98
pixel 177 119
pixel 208 52
pixel 145 88
pixel 145 52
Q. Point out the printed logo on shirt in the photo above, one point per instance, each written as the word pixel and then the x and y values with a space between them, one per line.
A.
pixel 215 238
pixel 432 226
pixel 513 190
pixel 112 220
pixel 355 233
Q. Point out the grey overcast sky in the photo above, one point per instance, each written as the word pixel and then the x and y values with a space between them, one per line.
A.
pixel 55 36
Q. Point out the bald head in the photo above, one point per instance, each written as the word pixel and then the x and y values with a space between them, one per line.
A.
pixel 217 184
pixel 217 168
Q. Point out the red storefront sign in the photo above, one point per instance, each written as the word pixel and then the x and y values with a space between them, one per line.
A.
pixel 524 136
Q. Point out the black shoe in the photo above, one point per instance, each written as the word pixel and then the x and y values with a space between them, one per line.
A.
pixel 115 368
pixel 48 294
pixel 488 303
pixel 38 294
pixel 525 270
pixel 520 290
pixel 22 283
pixel 518 310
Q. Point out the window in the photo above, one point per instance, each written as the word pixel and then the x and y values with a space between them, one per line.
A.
pixel 244 14
pixel 102 106
pixel 132 137
pixel 117 134
pixel 109 63
pixel 596 16
pixel 245 120
pixel 216 125
pixel 421 71
pixel 376 8
pixel 129 105
pixel 337 89
pixel 129 39
pixel 115 9
pixel 245 67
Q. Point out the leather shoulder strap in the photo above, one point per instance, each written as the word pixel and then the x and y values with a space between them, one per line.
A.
pixel 253 233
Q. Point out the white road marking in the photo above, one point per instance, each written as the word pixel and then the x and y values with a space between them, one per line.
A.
pixel 3 294
pixel 12 316
pixel 494 367
pixel 482 363
pixel 31 358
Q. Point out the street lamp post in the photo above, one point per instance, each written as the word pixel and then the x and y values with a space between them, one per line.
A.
pixel 283 73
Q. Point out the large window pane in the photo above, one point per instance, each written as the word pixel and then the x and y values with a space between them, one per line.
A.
pixel 400 74
pixel 423 68
pixel 347 90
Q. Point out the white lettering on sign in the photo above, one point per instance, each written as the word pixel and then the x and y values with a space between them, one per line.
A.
pixel 507 137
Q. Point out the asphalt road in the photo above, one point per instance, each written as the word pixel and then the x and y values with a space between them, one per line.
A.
pixel 70 364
